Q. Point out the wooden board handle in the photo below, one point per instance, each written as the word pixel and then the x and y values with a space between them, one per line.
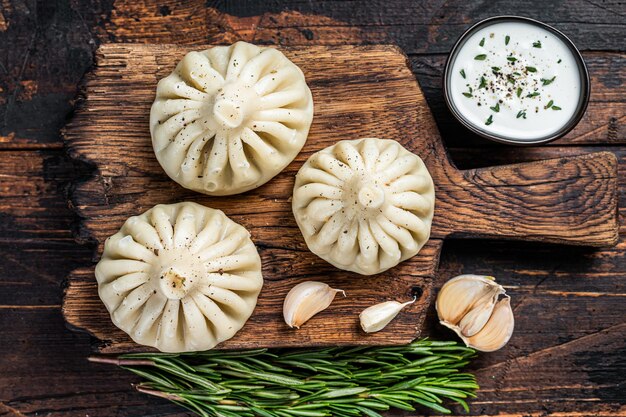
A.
pixel 569 200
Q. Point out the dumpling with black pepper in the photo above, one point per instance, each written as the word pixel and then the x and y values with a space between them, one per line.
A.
pixel 230 118
pixel 180 277
pixel 364 205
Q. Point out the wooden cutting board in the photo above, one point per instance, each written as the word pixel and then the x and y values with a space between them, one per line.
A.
pixel 358 91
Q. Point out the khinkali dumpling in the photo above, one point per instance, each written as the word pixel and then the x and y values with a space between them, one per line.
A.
pixel 180 277
pixel 364 205
pixel 230 118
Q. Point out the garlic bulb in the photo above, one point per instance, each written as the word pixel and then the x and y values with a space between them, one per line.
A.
pixel 306 300
pixel 468 304
pixel 376 317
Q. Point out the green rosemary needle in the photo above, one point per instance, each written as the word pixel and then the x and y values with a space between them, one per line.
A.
pixel 341 382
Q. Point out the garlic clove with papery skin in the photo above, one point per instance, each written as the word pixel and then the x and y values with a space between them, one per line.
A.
pixel 468 304
pixel 461 294
pixel 376 317
pixel 497 331
pixel 475 319
pixel 465 290
pixel 306 300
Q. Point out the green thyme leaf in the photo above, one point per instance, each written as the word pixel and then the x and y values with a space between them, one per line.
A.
pixel 462 72
pixel 533 94
pixel 556 108
pixel 496 108
pixel 547 106
pixel 519 91
pixel 495 69
pixel 547 81
pixel 483 82
pixel 468 95
pixel 531 69
pixel 521 113
pixel 482 42
pixel 489 120
pixel 507 38
pixel 537 44
pixel 511 58
pixel 480 57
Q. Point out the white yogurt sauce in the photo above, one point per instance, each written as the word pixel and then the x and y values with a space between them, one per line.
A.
pixel 515 80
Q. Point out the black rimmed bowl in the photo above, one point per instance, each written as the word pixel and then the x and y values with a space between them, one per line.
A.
pixel 585 83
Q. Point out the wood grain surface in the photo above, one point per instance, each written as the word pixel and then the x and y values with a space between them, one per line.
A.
pixel 566 357
pixel 358 91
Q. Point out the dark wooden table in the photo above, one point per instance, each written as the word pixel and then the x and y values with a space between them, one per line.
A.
pixel 568 353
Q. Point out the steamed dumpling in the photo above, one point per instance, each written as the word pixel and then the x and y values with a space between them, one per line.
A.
pixel 180 277
pixel 230 118
pixel 364 205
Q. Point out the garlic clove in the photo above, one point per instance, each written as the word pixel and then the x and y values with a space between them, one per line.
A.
pixel 376 317
pixel 497 330
pixel 460 294
pixel 474 320
pixel 306 300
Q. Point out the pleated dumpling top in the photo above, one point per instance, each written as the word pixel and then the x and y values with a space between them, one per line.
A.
pixel 180 277
pixel 364 205
pixel 230 118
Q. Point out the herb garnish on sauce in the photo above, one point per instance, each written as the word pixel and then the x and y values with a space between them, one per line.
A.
pixel 516 79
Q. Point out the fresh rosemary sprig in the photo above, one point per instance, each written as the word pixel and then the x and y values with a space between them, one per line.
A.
pixel 339 382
